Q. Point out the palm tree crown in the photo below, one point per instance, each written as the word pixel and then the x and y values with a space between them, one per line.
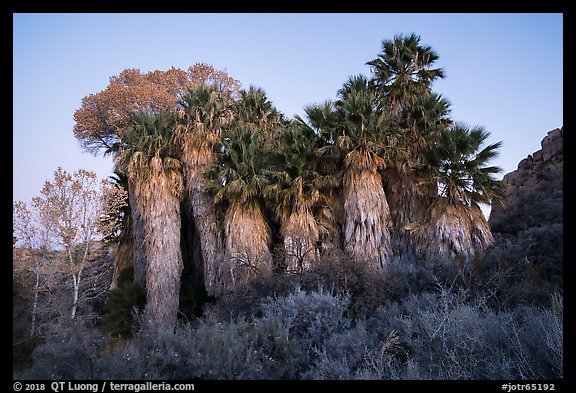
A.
pixel 255 108
pixel 148 135
pixel 404 70
pixel 361 124
pixel 459 166
pixel 299 175
pixel 240 175
pixel 202 114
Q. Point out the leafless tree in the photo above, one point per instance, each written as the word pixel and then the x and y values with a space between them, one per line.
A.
pixel 63 219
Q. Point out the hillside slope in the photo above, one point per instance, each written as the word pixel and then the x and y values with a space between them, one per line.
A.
pixel 532 213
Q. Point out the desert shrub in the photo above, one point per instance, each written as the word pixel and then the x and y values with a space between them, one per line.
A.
pixel 310 316
pixel 446 335
pixel 22 343
pixel 510 273
pixel 245 300
pixel 439 334
pixel 449 338
pixel 367 290
pixel 158 355
pixel 278 344
pixel 544 247
pixel 70 354
pixel 536 337
pixel 245 349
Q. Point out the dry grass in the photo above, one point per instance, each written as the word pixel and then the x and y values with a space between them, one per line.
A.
pixel 366 231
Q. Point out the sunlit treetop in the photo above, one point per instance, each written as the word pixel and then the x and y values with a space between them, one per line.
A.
pixel 104 115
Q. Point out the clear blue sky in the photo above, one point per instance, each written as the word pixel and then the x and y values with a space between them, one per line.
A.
pixel 503 71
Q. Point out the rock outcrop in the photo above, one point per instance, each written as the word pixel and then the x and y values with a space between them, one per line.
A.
pixel 531 219
pixel 534 196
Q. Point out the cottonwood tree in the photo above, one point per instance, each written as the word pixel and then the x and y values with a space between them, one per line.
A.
pixel 65 217
pixel 103 116
pixel 115 226
pixel 32 242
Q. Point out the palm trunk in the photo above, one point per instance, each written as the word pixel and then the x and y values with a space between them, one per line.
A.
pixel 408 208
pixel 300 235
pixel 454 230
pixel 123 258
pixel 330 223
pixel 197 161
pixel 138 232
pixel 367 216
pixel 247 239
pixel 161 205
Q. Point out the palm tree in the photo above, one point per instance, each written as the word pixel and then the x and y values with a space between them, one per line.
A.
pixel 420 124
pixel 403 74
pixel 362 134
pixel 402 71
pixel 254 107
pixel 458 167
pixel 155 185
pixel 298 186
pixel 204 112
pixel 323 121
pixel 239 179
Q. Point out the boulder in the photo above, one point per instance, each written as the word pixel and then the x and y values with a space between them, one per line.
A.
pixel 555 134
pixel 537 156
pixel 525 163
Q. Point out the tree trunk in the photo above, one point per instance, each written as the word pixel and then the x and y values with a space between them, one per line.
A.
pixel 35 302
pixel 75 295
pixel 247 239
pixel 76 278
pixel 162 247
pixel 123 258
pixel 300 235
pixel 408 208
pixel 138 231
pixel 367 217
pixel 330 223
pixel 197 161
